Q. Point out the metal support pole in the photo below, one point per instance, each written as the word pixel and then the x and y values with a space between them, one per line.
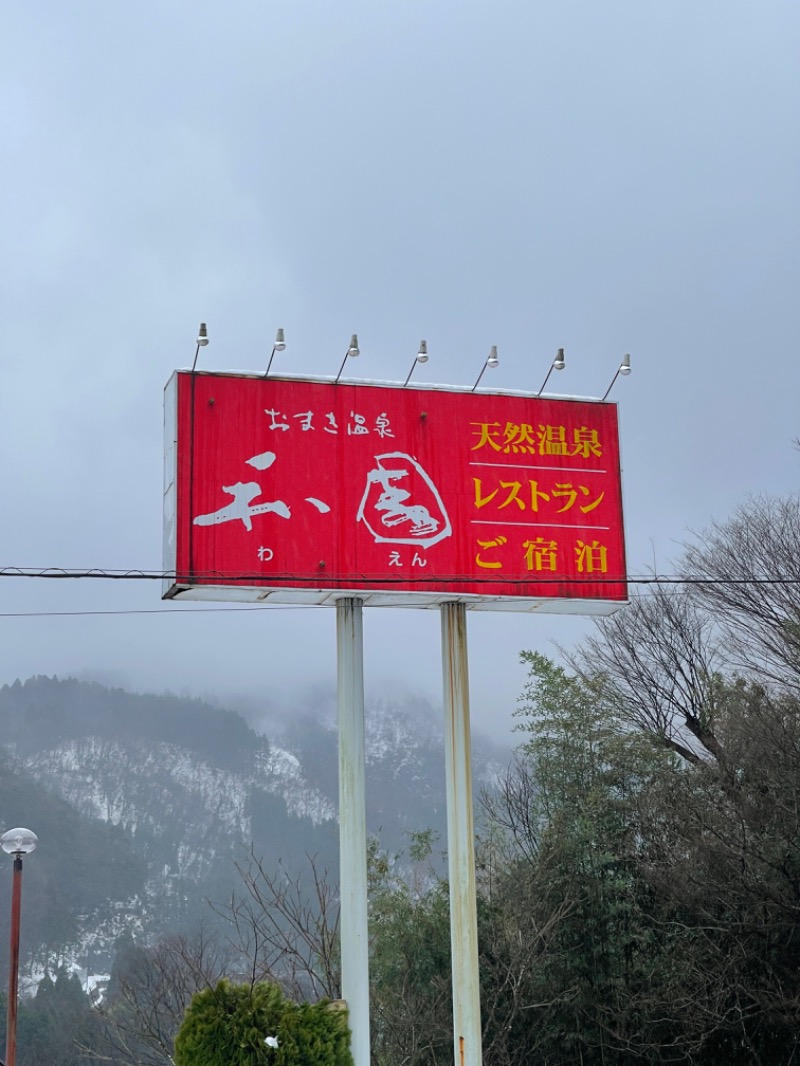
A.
pixel 460 838
pixel 353 823
pixel 13 967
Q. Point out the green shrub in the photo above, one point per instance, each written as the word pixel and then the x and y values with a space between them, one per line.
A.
pixel 228 1026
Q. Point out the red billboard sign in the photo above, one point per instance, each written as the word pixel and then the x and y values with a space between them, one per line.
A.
pixel 294 490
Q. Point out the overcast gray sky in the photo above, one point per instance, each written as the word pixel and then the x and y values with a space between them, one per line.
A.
pixel 603 177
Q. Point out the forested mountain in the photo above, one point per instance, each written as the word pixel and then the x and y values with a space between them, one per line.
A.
pixel 144 804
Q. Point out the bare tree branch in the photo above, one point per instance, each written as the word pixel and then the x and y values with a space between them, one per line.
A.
pixel 287 927
pixel 759 615
pixel 657 663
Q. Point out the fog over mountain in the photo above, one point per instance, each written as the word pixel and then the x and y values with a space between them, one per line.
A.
pixel 144 804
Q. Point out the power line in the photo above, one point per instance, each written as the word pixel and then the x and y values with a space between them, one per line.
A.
pixel 97 573
pixel 331 580
pixel 171 611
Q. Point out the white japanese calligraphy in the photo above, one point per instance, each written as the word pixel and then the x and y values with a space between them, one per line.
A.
pixel 263 461
pixel 393 502
pixel 358 428
pixel 274 423
pixel 241 509
pixel 382 426
pixel 320 505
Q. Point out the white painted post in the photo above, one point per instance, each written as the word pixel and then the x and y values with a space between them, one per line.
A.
pixel 353 823
pixel 460 838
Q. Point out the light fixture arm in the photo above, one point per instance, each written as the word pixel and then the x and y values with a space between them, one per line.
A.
pixel 549 372
pixel 611 386
pixel 483 371
pixel 341 368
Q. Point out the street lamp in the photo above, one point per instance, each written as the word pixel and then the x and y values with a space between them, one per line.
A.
pixel 16 842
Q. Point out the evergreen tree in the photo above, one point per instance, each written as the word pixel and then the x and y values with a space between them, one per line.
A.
pixel 244 1025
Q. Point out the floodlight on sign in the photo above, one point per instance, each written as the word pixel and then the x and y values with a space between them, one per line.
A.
pixel 492 361
pixel 202 341
pixel 352 352
pixel 623 369
pixel 421 357
pixel 279 345
pixel 558 364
